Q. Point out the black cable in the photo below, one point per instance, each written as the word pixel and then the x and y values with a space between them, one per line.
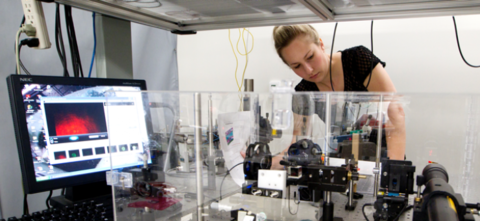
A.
pixel 70 42
pixel 48 199
pixel 331 53
pixel 23 21
pixel 73 42
pixel 228 172
pixel 77 52
pixel 30 42
pixel 298 204
pixel 363 210
pixel 222 184
pixel 459 48
pixel 63 192
pixel 59 41
pixel 371 62
pixel 20 60
pixel 406 208
pixel 68 9
pixel 25 205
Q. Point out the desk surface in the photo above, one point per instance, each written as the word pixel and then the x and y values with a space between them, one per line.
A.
pixel 279 209
pixel 233 199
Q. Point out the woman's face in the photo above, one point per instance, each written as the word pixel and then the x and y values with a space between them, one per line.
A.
pixel 306 59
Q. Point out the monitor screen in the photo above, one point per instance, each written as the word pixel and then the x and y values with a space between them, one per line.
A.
pixel 62 128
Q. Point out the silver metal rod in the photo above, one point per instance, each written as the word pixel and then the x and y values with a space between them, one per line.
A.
pixel 328 126
pixel 328 196
pixel 248 85
pixel 379 146
pixel 419 190
pixel 210 126
pixel 328 115
pixel 350 195
pixel 198 153
pixel 211 151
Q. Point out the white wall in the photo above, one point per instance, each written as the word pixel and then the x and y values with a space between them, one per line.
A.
pixel 421 55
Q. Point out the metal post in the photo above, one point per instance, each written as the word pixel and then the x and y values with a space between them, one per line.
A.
pixel 350 195
pixel 248 85
pixel 328 127
pixel 376 170
pixel 327 205
pixel 419 191
pixel 328 196
pixel 211 151
pixel 198 153
pixel 113 57
pixel 210 126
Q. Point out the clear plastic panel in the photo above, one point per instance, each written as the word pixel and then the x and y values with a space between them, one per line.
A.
pixel 200 156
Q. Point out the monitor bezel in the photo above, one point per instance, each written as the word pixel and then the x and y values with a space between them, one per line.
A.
pixel 15 85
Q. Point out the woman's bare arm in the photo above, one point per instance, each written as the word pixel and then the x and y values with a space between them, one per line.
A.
pixel 395 127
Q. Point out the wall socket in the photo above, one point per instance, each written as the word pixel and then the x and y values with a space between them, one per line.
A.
pixel 34 16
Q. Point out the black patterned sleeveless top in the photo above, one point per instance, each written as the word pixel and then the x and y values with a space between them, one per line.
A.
pixel 357 65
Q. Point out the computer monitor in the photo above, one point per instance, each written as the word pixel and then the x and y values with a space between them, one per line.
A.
pixel 62 131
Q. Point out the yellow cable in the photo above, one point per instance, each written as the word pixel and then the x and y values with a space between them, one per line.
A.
pixel 242 35
pixel 246 53
pixel 246 59
pixel 253 41
pixel 236 59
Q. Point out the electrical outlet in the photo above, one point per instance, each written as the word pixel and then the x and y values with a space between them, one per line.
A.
pixel 34 16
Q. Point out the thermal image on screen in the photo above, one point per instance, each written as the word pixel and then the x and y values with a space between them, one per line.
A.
pixel 76 119
pixel 69 131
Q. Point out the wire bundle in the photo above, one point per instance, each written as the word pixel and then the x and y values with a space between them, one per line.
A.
pixel 241 35
pixel 72 40
pixel 59 41
pixel 19 60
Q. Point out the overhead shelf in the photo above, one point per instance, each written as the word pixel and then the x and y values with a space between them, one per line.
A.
pixel 187 15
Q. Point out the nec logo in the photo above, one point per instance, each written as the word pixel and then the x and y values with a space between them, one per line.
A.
pixel 26 80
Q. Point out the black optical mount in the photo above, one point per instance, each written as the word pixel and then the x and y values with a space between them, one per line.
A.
pixel 257 157
pixel 396 183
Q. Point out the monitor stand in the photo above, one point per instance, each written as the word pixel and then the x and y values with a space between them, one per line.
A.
pixel 100 192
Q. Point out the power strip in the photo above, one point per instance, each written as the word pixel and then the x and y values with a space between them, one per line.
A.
pixel 34 16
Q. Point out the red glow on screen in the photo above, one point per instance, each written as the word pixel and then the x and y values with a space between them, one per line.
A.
pixel 71 124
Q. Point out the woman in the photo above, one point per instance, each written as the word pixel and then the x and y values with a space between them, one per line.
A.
pixel 300 47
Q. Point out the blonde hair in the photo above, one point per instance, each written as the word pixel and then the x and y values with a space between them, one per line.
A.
pixel 285 34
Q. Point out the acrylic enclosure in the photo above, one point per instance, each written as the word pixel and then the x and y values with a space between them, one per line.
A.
pixel 188 162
